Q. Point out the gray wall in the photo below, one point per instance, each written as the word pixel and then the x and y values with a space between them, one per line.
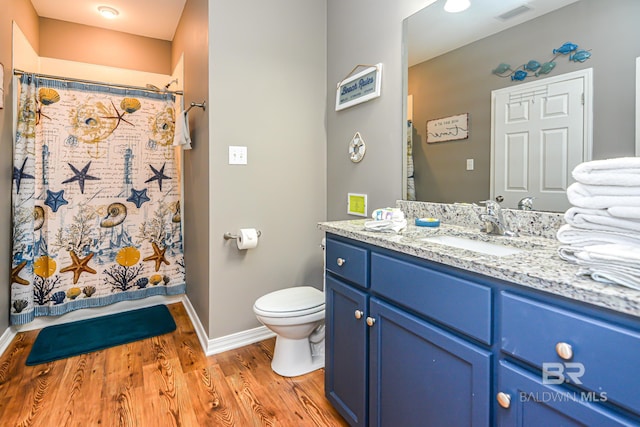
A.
pixel 366 32
pixel 461 82
pixel 191 40
pixel 267 68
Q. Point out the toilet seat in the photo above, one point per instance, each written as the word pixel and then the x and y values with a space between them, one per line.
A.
pixel 290 302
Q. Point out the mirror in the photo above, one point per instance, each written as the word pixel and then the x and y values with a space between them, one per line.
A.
pixel 450 60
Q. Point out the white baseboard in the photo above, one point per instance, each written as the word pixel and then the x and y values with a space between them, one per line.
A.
pixel 197 324
pixel 239 339
pixel 228 342
pixel 6 338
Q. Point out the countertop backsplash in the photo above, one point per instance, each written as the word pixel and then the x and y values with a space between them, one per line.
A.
pixel 527 223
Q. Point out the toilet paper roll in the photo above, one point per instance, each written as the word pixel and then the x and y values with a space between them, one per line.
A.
pixel 247 238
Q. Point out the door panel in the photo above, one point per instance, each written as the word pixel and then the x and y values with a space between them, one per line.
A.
pixel 346 351
pixel 424 376
pixel 517 161
pixel 554 161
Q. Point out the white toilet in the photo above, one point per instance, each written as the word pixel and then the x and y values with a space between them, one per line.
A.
pixel 296 315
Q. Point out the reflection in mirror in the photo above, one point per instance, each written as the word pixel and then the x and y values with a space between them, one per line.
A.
pixel 450 61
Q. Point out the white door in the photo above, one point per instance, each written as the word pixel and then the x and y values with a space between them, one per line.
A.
pixel 540 132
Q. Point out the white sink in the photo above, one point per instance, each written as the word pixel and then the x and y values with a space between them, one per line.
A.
pixel 487 248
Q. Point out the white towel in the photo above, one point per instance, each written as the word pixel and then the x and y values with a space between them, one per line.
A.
pixel 612 276
pixel 567 253
pixel 591 258
pixel 600 219
pixel 613 264
pixel 181 137
pixel 580 237
pixel 624 255
pixel 602 197
pixel 624 171
pixel 628 212
pixel 386 225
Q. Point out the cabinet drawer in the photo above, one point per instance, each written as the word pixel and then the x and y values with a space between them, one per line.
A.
pixel 458 303
pixel 604 357
pixel 347 261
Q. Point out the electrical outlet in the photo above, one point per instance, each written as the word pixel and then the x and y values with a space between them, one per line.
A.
pixel 237 155
pixel 469 164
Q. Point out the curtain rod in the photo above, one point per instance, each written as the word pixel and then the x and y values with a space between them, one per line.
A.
pixel 70 79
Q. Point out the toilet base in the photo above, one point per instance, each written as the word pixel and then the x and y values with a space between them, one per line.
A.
pixel 292 358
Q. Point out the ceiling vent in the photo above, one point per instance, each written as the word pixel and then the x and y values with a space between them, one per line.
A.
pixel 514 12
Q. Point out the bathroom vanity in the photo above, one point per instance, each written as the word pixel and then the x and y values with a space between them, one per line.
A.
pixel 422 333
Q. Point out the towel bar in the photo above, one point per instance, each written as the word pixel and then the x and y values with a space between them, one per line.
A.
pixel 202 105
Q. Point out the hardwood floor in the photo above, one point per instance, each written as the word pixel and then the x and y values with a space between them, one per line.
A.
pixel 158 382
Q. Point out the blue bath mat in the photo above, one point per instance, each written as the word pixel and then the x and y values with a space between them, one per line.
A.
pixel 84 336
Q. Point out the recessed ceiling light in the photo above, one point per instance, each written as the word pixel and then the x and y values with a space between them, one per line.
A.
pixel 108 12
pixel 455 6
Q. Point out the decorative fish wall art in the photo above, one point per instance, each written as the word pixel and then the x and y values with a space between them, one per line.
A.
pixel 535 68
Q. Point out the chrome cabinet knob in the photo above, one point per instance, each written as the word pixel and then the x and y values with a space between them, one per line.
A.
pixel 370 321
pixel 504 400
pixel 564 350
pixel 341 262
pixel 359 314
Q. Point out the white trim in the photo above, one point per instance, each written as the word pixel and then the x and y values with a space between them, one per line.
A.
pixel 237 340
pixel 638 106
pixel 6 339
pixel 197 324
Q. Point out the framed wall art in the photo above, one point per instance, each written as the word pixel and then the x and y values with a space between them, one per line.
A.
pixel 448 128
pixel 360 87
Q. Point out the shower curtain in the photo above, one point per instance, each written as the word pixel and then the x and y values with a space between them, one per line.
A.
pixel 95 198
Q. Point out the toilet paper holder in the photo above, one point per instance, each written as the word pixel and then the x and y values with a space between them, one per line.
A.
pixel 231 236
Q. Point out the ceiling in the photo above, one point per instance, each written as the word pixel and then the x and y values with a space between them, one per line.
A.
pixel 433 32
pixel 157 19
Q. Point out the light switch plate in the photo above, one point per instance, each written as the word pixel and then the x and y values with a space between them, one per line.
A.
pixel 469 164
pixel 237 155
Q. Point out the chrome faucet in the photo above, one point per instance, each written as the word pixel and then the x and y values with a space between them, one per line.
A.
pixel 493 220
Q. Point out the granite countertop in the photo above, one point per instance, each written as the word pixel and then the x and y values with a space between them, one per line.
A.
pixel 538 266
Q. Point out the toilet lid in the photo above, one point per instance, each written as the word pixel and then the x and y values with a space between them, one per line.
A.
pixel 301 298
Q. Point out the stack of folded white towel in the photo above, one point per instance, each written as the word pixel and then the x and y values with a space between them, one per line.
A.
pixel 387 220
pixel 602 234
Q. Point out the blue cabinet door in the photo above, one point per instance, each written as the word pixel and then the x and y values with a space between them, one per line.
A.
pixel 346 351
pixel 421 375
pixel 533 403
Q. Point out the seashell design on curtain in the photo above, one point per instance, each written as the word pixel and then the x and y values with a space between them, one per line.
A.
pixel 95 198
